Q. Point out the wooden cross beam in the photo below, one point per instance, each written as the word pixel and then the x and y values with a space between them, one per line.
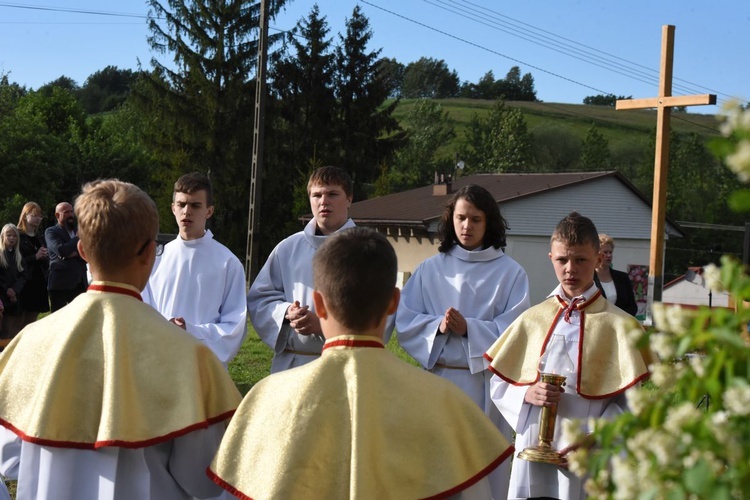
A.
pixel 663 104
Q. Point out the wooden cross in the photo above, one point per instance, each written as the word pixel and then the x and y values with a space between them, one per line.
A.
pixel 663 104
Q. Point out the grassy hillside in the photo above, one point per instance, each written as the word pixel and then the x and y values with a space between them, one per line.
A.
pixel 617 126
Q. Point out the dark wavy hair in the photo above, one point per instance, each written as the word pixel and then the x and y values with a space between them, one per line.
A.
pixel 482 199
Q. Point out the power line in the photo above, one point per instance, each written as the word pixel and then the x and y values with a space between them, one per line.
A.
pixel 482 47
pixel 463 40
pixel 73 11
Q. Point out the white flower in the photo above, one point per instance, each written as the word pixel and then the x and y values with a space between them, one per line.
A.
pixel 572 431
pixel 718 425
pixel 678 319
pixel 596 488
pixel 734 118
pixel 662 375
pixel 737 400
pixel 680 417
pixel 696 363
pixel 739 161
pixel 578 461
pixel 638 400
pixel 664 345
pixel 622 477
pixel 712 275
pixel 659 315
pixel 634 336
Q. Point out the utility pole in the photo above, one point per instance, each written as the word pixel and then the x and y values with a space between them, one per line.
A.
pixel 256 173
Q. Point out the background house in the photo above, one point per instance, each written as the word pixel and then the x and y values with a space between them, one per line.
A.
pixel 532 204
pixel 690 290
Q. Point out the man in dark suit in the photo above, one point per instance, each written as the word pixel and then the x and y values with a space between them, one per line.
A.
pixel 67 270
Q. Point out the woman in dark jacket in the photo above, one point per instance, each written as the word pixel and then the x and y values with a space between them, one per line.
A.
pixel 615 285
pixel 34 298
pixel 12 280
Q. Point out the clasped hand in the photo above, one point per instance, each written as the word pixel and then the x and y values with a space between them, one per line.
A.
pixel 302 319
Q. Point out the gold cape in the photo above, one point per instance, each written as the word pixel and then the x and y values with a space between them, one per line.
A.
pixel 357 423
pixel 607 364
pixel 109 370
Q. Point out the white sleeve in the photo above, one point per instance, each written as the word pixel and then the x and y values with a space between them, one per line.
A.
pixel 191 455
pixel 482 334
pixel 10 453
pixel 226 335
pixel 509 399
pixel 416 326
pixel 267 304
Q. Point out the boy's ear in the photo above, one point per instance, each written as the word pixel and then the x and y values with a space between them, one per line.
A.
pixel 81 251
pixel 320 305
pixel 210 212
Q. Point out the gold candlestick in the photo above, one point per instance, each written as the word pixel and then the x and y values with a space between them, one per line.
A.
pixel 544 452
pixel 554 367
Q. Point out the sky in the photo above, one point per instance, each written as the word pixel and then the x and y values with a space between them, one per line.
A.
pixel 573 49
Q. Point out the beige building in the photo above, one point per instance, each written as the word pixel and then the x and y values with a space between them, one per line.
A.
pixel 532 204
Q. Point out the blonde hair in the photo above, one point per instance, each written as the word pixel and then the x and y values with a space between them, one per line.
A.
pixel 606 240
pixel 114 219
pixel 19 259
pixel 29 208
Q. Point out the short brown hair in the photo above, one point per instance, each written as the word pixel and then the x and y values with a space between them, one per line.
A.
pixel 114 219
pixel 192 183
pixel 331 176
pixel 355 270
pixel 29 208
pixel 575 229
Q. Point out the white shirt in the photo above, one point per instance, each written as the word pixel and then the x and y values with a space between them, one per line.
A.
pixel 204 283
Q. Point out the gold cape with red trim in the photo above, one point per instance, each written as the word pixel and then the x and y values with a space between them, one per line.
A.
pixel 109 370
pixel 356 423
pixel 607 363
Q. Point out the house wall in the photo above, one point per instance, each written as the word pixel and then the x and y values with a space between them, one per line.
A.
pixel 614 209
pixel 693 294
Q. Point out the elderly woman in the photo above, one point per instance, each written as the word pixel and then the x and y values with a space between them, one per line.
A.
pixel 614 285
pixel 34 298
pixel 12 280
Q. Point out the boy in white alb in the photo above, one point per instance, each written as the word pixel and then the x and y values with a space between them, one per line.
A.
pixel 104 399
pixel 357 422
pixel 604 364
pixel 458 302
pixel 280 299
pixel 198 284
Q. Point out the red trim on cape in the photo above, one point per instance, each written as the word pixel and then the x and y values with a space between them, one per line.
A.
pixel 513 382
pixel 114 289
pixel 115 442
pixel 231 489
pixel 353 343
pixel 472 480
pixel 617 392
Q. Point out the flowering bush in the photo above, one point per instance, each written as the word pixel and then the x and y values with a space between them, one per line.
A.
pixel 688 432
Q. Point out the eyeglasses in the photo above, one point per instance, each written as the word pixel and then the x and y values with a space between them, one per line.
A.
pixel 159 247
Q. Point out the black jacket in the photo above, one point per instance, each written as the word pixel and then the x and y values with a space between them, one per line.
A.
pixel 624 288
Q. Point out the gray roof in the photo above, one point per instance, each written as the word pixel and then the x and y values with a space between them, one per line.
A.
pixel 419 207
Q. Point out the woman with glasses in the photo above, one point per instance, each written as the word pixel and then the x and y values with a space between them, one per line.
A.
pixel 34 297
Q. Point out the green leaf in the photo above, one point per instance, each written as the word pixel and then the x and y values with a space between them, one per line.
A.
pixel 739 201
pixel 698 478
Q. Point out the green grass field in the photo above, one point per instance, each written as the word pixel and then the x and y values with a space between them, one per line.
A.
pixel 253 362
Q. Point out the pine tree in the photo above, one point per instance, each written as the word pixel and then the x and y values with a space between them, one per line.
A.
pixel 366 129
pixel 595 153
pixel 201 104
